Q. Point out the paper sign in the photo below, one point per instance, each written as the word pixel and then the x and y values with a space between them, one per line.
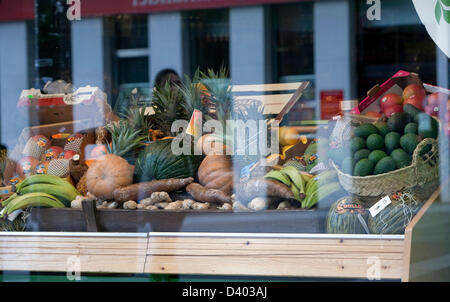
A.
pixel 435 16
pixel 195 124
pixel 379 206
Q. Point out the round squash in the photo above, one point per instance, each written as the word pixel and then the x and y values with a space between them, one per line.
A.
pixel 107 174
pixel 216 172
pixel 210 144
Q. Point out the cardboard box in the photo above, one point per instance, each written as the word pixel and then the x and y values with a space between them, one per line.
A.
pixel 86 103
pixel 84 127
pixel 394 84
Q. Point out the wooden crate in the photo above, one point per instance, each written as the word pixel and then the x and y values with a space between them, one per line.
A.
pixel 252 254
pixel 119 220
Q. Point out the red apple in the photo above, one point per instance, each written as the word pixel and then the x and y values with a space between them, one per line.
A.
pixel 390 100
pixel 432 110
pixel 413 90
pixel 393 109
pixel 373 114
pixel 416 101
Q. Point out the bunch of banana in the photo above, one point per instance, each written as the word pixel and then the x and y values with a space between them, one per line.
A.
pixel 293 178
pixel 307 189
pixel 40 190
pixel 320 187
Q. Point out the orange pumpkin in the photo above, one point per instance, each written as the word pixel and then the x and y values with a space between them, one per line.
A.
pixel 107 174
pixel 216 172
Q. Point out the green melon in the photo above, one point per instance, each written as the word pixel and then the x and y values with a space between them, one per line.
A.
pixel 343 217
pixel 395 217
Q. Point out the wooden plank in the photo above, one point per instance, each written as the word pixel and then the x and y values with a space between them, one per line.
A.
pixel 347 267
pixel 266 87
pixel 276 241
pixel 89 215
pixel 307 257
pixel 60 263
pixel 276 254
pixel 424 214
pixel 51 253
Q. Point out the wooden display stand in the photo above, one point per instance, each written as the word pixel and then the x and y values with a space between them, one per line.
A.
pixel 253 254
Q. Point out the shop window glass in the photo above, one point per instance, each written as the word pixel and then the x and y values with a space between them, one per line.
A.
pixel 51 43
pixel 293 53
pixel 208 39
pixel 398 41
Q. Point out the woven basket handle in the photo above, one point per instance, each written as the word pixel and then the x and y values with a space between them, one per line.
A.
pixel 417 158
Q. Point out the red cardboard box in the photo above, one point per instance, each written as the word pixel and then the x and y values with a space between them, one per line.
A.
pixel 394 84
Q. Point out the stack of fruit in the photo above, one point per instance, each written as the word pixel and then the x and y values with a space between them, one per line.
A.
pixel 414 95
pixel 40 157
pixel 40 191
pixel 385 146
pixel 307 189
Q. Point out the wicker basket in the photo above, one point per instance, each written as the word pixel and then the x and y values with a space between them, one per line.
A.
pixel 423 169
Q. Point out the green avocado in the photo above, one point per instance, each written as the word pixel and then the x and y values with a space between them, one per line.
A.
pixel 412 111
pixel 382 127
pixel 402 159
pixel 392 141
pixel 360 154
pixel 398 121
pixel 427 126
pixel 364 167
pixel 409 142
pixel 375 142
pixel 357 143
pixel 376 155
pixel 385 165
pixel 411 128
pixel 365 130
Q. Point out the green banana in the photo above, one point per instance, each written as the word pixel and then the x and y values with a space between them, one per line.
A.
pixel 311 186
pixel 321 193
pixel 10 198
pixel 295 177
pixel 277 175
pixel 296 193
pixel 306 176
pixel 42 179
pixel 64 194
pixel 33 200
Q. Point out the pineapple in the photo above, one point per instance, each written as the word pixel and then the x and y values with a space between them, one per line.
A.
pixel 136 117
pixel 193 95
pixel 168 105
pixel 125 141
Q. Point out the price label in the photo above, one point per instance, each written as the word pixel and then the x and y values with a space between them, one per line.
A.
pixel 379 206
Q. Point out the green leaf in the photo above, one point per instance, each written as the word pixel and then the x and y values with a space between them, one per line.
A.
pixel 438 12
pixel 446 14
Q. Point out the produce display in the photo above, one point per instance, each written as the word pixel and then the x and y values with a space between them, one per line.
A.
pixel 132 165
